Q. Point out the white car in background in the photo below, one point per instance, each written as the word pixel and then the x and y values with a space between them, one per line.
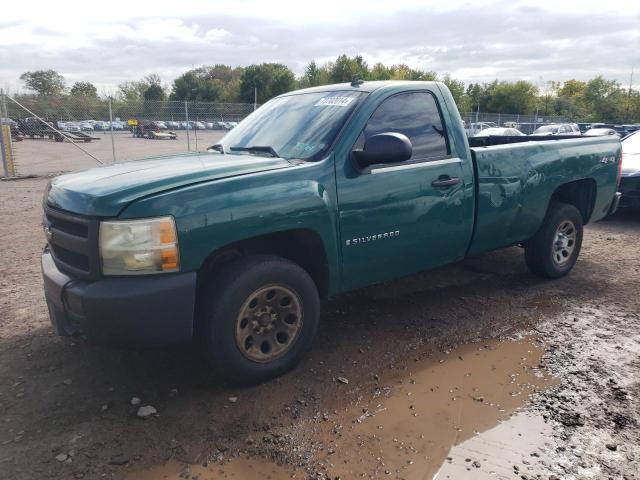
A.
pixel 500 132
pixel 172 125
pixel 601 132
pixel 69 126
pixel 477 127
pixel 570 129
pixel 86 126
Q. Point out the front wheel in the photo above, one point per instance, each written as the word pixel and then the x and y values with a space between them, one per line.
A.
pixel 260 316
pixel 554 249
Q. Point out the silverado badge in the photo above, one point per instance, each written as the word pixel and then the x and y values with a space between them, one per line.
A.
pixel 372 238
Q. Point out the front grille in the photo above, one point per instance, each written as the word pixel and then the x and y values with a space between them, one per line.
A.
pixel 73 242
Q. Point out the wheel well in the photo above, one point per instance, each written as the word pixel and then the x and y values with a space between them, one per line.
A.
pixel 580 193
pixel 302 246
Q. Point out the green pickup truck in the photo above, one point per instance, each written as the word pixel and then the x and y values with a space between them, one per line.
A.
pixel 317 192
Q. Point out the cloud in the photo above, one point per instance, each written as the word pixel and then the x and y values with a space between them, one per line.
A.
pixel 507 40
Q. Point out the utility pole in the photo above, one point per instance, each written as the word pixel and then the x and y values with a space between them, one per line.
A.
pixel 626 116
pixel 255 98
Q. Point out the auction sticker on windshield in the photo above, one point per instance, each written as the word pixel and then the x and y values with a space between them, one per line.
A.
pixel 334 102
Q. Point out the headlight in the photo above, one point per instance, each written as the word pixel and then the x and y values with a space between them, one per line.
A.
pixel 139 247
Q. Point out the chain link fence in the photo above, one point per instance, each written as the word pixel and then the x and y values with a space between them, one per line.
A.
pixel 49 135
pixel 525 123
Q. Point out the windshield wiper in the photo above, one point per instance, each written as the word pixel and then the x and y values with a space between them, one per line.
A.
pixel 218 147
pixel 258 149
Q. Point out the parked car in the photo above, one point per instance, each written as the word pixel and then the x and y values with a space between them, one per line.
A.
pixel 630 171
pixel 570 129
pixel 209 125
pixel 172 125
pixel 474 128
pixel 101 126
pixel 160 125
pixel 597 132
pixel 235 235
pixel 86 126
pixel 198 125
pixel 16 134
pixel 500 132
pixel 8 121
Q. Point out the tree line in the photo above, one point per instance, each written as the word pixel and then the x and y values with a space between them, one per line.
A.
pixel 597 99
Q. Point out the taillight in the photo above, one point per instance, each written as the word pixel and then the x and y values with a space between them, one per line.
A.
pixel 619 177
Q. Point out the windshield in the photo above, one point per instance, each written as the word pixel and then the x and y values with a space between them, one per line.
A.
pixel 294 126
pixel 631 144
pixel 547 129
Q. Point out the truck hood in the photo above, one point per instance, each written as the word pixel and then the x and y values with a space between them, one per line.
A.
pixel 105 191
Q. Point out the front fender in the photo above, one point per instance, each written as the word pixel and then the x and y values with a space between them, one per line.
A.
pixel 214 214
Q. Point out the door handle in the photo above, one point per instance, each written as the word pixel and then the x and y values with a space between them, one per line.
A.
pixel 445 181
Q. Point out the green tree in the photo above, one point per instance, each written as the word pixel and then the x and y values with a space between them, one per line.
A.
pixel 44 82
pixel 507 97
pixel 211 84
pixel 154 92
pixel 132 90
pixel 457 91
pixel 604 99
pixel 312 75
pixel 344 68
pixel 84 89
pixel 381 72
pixel 271 79
pixel 404 72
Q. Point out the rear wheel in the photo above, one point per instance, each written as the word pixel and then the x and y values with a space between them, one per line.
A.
pixel 554 249
pixel 260 316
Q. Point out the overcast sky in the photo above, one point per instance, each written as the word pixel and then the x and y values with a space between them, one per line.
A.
pixel 107 42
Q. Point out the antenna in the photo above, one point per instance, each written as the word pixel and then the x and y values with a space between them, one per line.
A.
pixel 356 80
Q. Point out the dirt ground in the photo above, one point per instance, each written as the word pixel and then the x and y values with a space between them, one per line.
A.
pixel 476 370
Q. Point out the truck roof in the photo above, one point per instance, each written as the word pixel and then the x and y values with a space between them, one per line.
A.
pixel 365 86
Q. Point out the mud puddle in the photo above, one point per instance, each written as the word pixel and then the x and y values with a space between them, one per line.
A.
pixel 406 427
pixel 241 468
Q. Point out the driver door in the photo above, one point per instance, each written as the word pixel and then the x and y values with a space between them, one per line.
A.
pixel 396 219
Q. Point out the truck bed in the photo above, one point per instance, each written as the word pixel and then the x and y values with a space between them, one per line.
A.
pixel 504 139
pixel 517 179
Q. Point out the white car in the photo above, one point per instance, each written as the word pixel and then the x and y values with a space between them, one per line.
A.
pixel 570 129
pixel 86 126
pixel 172 125
pixel 500 132
pixel 600 132
pixel 477 127
pixel 69 126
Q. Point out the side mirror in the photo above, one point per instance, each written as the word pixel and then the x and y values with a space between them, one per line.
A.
pixel 384 148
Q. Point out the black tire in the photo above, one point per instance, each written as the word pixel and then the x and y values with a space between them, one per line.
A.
pixel 229 292
pixel 548 255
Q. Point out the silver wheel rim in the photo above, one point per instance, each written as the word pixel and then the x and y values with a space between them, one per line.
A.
pixel 269 323
pixel 564 242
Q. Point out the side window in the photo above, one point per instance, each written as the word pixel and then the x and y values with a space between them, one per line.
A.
pixel 415 115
